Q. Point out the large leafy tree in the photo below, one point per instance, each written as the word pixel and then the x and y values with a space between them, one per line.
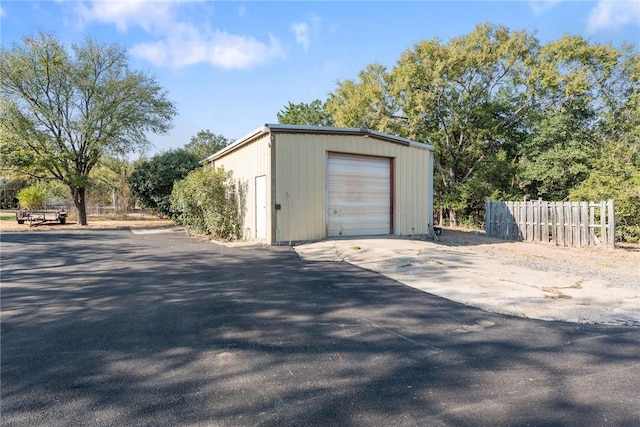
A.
pixel 470 98
pixel 507 116
pixel 367 102
pixel 580 87
pixel 62 110
pixel 205 143
pixel 467 97
pixel 312 114
pixel 615 167
pixel 152 181
pixel 557 156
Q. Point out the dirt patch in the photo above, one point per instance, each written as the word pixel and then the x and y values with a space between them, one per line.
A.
pixel 94 223
pixel 625 258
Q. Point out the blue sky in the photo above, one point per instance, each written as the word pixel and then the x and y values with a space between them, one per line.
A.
pixel 231 66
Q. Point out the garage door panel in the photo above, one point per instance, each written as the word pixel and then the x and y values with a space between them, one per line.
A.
pixel 359 195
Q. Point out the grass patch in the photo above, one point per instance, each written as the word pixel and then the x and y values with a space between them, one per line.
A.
pixel 607 265
pixel 533 256
pixel 7 217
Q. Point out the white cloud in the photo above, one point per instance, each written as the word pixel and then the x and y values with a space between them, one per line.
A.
pixel 186 46
pixel 147 14
pixel 301 31
pixel 304 30
pixel 540 7
pixel 611 15
pixel 179 43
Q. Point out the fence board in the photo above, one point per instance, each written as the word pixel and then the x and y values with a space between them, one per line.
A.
pixel 611 223
pixel 562 223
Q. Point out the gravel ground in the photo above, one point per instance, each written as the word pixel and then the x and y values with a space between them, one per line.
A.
pixel 613 278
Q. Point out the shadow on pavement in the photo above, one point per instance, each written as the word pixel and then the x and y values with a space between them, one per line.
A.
pixel 111 328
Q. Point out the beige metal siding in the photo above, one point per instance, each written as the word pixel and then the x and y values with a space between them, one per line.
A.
pixel 247 162
pixel 358 195
pixel 301 166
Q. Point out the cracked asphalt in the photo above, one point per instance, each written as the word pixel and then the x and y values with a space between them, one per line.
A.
pixel 111 328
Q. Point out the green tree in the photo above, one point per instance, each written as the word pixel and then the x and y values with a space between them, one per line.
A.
pixel 205 143
pixel 615 167
pixel 579 85
pixel 62 111
pixel 558 155
pixel 33 197
pixel 152 181
pixel 312 114
pixel 367 102
pixel 9 188
pixel 208 201
pixel 506 115
pixel 616 175
pixel 468 98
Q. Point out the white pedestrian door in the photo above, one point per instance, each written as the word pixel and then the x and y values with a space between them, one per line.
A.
pixel 261 207
pixel 358 195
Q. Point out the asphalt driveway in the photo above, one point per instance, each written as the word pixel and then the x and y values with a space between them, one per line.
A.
pixel 111 328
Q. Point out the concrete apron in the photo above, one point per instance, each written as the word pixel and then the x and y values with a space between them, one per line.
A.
pixel 484 280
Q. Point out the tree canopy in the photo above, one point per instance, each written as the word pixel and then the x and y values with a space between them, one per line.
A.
pixel 508 117
pixel 312 114
pixel 151 181
pixel 62 110
pixel 205 143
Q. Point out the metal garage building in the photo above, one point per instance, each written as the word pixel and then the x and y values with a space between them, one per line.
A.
pixel 310 182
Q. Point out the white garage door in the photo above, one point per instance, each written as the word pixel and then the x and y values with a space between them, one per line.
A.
pixel 358 195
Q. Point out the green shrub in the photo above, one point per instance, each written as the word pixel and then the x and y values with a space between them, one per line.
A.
pixel 33 197
pixel 151 182
pixel 208 202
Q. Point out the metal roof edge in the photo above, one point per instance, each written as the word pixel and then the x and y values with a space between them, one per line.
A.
pixel 248 137
pixel 411 142
pixel 276 127
pixel 348 131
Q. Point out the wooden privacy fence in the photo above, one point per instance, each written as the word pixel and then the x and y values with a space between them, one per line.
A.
pixel 577 224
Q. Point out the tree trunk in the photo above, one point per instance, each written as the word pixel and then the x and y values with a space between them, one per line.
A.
pixel 78 194
pixel 453 217
pixel 114 199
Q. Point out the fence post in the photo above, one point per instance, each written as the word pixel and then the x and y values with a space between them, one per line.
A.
pixel 570 230
pixel 592 223
pixel 548 214
pixel 612 223
pixel 584 224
